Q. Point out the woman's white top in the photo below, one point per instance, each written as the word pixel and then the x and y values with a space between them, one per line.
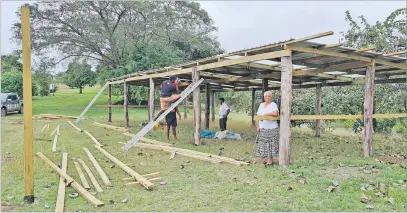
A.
pixel 269 109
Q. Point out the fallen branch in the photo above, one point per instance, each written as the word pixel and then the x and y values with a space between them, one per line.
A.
pixel 147 184
pixel 71 182
pixel 99 169
pixel 61 189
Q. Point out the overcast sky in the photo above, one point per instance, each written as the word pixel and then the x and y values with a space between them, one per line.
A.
pixel 246 24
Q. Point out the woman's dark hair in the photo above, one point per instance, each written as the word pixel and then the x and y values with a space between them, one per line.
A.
pixel 173 78
pixel 222 99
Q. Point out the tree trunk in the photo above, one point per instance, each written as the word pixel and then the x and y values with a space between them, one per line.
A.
pixel 80 90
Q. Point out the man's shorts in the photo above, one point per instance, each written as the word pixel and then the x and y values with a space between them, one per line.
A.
pixel 171 119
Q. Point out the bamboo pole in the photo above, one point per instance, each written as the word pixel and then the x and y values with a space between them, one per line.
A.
pixel 61 190
pixel 91 176
pixel 71 182
pixel 99 169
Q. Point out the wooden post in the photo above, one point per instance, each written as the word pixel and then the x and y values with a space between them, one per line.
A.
pixel 318 111
pixel 197 108
pixel 109 102
pixel 27 99
pixel 126 104
pixel 368 110
pixel 253 102
pixel 264 86
pixel 207 105
pixel 151 100
pixel 213 105
pixel 185 107
pixel 285 111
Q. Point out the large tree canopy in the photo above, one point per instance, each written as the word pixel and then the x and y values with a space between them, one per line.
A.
pixel 109 31
pixel 79 75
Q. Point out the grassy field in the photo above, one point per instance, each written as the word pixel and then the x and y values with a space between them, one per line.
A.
pixel 194 185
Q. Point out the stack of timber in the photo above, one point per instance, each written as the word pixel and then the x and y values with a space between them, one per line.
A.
pixel 150 177
pixel 52 116
pixel 121 129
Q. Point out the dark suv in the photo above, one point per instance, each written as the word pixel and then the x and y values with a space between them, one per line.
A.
pixel 10 102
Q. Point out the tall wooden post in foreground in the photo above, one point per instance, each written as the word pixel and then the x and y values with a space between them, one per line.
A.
pixel 318 110
pixel 285 111
pixel 151 101
pixel 126 104
pixel 197 108
pixel 109 102
pixel 207 105
pixel 27 107
pixel 368 110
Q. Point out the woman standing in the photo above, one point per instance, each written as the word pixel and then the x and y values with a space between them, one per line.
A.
pixel 268 131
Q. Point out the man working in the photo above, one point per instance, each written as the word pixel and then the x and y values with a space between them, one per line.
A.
pixel 171 121
pixel 223 114
pixel 168 87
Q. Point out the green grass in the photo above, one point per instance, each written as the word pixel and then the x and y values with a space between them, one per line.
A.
pixel 199 186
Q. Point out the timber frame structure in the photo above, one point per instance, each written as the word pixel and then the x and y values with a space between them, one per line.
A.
pixel 286 65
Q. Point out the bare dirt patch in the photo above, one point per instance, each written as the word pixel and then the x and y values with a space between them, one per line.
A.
pixel 393 159
pixel 6 207
pixel 343 173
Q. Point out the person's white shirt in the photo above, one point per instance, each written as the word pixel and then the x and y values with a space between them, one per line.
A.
pixel 264 110
pixel 223 110
pixel 51 86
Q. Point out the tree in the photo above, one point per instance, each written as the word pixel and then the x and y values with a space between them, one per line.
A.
pixel 79 75
pixel 106 30
pixel 10 63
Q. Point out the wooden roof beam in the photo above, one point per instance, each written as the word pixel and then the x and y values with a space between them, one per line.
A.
pixel 396 53
pixel 345 55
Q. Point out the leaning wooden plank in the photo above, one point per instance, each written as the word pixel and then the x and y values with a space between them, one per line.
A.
pixel 73 125
pixel 111 127
pixel 54 145
pixel 147 184
pixel 150 179
pixel 146 176
pixel 82 176
pixel 91 103
pixel 99 169
pixel 91 176
pixel 71 182
pixel 151 141
pixel 61 189
pixel 93 138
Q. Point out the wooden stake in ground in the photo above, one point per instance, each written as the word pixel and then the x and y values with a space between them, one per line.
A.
pixel 73 125
pixel 99 169
pixel 81 176
pixel 93 138
pixel 91 176
pixel 61 190
pixel 71 182
pixel 54 145
pixel 147 184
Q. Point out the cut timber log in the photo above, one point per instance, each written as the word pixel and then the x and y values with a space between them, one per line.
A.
pixel 146 176
pixel 147 184
pixel 93 138
pixel 54 145
pixel 91 176
pixel 61 189
pixel 122 129
pixel 99 169
pixel 73 125
pixel 71 182
pixel 81 176
pixel 150 141
pixel 150 179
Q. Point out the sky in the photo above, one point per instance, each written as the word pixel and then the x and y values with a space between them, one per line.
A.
pixel 246 24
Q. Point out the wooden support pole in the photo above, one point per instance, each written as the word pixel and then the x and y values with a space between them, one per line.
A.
pixel 318 110
pixel 147 184
pixel 253 103
pixel 285 111
pixel 82 176
pixel 264 86
pixel 207 105
pixel 185 108
pixel 61 189
pixel 197 107
pixel 98 168
pixel 27 99
pixel 213 105
pixel 151 101
pixel 91 176
pixel 368 110
pixel 71 182
pixel 126 104
pixel 109 102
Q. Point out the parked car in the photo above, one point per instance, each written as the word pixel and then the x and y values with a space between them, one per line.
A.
pixel 10 102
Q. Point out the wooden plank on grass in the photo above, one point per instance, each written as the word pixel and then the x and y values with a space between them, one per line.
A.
pixel 150 179
pixel 43 128
pixel 146 176
pixel 82 176
pixel 147 184
pixel 71 182
pixel 93 138
pixel 110 127
pixel 61 189
pixel 54 145
pixel 55 131
pixel 73 125
pixel 91 176
pixel 99 169
pixel 147 140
